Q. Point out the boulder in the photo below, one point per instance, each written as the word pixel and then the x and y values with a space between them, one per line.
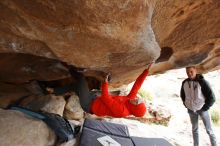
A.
pixel 19 129
pixel 73 109
pixel 55 105
pixel 117 36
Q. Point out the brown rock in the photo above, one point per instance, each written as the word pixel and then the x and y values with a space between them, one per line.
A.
pixel 10 93
pixel 73 109
pixel 117 36
pixel 187 32
pixel 55 105
pixel 19 129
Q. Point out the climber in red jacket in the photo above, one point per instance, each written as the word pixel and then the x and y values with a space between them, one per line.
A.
pixel 109 105
pixel 105 104
pixel 120 106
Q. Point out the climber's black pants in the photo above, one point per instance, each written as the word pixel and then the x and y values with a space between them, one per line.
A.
pixel 85 95
pixel 80 87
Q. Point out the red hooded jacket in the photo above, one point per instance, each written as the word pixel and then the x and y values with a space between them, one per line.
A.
pixel 119 106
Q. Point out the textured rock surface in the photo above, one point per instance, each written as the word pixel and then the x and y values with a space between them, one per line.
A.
pixel 55 105
pixel 11 93
pixel 73 110
pixel 188 31
pixel 18 129
pixel 117 36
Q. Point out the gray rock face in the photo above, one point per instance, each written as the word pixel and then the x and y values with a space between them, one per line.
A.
pixel 18 129
pixel 117 36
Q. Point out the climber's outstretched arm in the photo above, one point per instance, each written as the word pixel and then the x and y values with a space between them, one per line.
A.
pixel 139 81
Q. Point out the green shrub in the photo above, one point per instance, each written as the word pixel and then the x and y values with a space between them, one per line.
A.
pixel 145 94
pixel 215 116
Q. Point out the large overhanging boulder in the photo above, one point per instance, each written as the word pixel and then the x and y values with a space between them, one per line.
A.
pixel 117 36
pixel 188 33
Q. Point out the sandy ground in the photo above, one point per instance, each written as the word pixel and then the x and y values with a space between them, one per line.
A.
pixel 165 90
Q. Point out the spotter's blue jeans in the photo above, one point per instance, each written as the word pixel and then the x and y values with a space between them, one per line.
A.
pixel 194 118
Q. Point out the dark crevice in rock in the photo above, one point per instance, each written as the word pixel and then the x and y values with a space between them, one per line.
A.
pixel 19 67
pixel 191 59
pixel 166 53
